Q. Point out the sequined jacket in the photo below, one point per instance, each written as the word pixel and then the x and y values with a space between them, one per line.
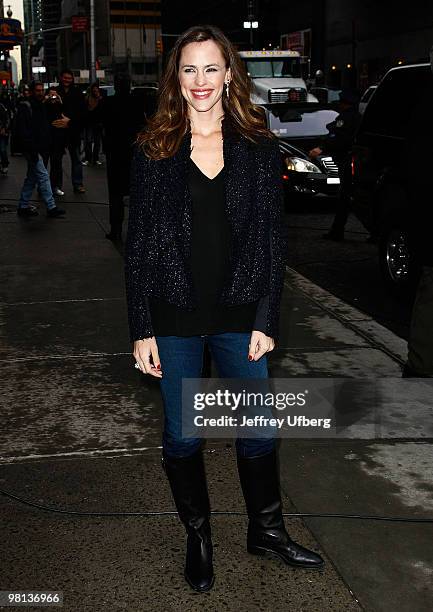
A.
pixel 159 232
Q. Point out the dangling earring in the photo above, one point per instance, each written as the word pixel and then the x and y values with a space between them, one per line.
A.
pixel 227 88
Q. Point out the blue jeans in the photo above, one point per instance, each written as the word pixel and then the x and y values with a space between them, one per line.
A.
pixel 37 174
pixel 182 357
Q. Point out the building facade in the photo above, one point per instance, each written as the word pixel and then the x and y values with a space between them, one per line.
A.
pixel 33 41
pixel 135 36
pixel 128 35
pixel 51 12
pixel 354 42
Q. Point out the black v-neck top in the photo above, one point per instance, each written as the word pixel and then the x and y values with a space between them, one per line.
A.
pixel 210 247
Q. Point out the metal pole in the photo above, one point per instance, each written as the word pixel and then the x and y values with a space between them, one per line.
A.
pixel 92 43
pixel 66 27
pixel 85 64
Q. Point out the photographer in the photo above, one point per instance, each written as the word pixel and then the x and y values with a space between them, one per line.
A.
pixel 54 108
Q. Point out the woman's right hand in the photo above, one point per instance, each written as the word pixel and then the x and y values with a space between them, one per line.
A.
pixel 143 350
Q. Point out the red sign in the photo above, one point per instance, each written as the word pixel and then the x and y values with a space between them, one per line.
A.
pixel 299 41
pixel 80 23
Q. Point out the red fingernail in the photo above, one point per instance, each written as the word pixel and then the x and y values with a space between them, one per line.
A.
pixel 158 366
pixel 250 357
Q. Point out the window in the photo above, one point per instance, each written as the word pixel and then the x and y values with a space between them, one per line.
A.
pixel 392 105
pixel 137 67
pixel 151 67
pixel 367 95
pixel 267 68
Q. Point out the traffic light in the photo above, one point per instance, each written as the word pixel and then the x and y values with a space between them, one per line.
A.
pixel 159 48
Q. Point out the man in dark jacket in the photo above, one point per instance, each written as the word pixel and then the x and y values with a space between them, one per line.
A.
pixel 72 122
pixel 121 122
pixel 33 132
pixel 339 144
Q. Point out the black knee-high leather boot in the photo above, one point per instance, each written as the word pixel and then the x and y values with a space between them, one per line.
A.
pixel 187 479
pixel 266 531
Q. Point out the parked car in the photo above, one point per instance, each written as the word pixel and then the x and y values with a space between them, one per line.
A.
pixel 300 127
pixel 382 189
pixel 366 97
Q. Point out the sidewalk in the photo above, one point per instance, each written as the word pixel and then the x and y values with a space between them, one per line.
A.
pixel 82 431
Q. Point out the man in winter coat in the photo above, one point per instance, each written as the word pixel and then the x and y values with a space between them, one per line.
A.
pixel 71 123
pixel 33 133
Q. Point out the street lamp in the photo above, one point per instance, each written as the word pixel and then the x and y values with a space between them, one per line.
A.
pixel 251 25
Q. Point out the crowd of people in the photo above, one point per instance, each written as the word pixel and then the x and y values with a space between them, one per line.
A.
pixel 43 124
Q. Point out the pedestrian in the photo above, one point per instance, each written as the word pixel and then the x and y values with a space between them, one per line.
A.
pixel 72 122
pixel 33 132
pixel 339 144
pixel 23 95
pixel 92 139
pixel 205 261
pixel 120 127
pixel 5 124
pixel 54 108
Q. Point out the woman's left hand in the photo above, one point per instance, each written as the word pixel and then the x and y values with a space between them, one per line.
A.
pixel 61 123
pixel 259 344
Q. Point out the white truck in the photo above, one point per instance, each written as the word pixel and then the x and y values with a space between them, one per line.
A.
pixel 277 76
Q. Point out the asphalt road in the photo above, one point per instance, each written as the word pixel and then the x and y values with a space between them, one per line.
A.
pixel 349 269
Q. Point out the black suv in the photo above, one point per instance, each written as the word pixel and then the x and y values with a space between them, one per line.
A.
pixel 383 174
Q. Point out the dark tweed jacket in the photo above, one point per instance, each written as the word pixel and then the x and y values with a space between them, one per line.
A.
pixel 159 232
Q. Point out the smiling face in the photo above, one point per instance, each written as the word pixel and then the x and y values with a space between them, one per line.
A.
pixel 202 73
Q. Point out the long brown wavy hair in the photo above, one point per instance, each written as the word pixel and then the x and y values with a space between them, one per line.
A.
pixel 164 131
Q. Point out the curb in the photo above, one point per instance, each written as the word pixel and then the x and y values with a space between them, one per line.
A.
pixel 378 336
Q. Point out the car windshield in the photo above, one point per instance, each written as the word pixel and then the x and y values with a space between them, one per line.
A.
pixel 259 68
pixel 289 120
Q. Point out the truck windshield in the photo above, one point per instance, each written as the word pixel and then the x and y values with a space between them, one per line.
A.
pixel 265 68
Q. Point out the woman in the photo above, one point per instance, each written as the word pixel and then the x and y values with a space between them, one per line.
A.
pixel 205 263
pixel 92 140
